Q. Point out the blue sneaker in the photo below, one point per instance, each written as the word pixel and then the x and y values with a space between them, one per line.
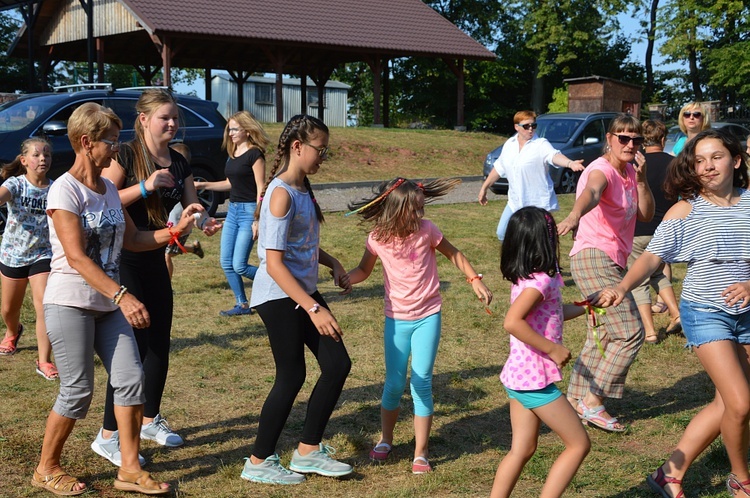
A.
pixel 270 472
pixel 319 462
pixel 237 310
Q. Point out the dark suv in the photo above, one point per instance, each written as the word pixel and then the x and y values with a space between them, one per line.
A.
pixel 46 114
pixel 577 135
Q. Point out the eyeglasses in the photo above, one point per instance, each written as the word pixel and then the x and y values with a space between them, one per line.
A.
pixel 322 151
pixel 625 139
pixel 114 145
pixel 528 126
pixel 233 130
pixel 695 114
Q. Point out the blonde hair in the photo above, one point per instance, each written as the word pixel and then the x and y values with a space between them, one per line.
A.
pixel 16 167
pixel 93 120
pixel 393 208
pixel 184 150
pixel 143 166
pixel 693 106
pixel 301 127
pixel 257 136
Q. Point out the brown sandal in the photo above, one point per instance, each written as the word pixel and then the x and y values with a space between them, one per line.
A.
pixel 141 482
pixel 60 483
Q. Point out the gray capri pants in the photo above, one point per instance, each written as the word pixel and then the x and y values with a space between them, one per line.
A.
pixel 75 333
pixel 657 280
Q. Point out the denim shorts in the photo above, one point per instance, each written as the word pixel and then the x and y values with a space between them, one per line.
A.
pixel 536 398
pixel 702 324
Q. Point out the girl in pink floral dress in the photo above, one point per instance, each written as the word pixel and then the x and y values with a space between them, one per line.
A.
pixel 534 321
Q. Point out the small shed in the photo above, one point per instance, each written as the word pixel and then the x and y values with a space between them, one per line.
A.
pixel 599 94
pixel 259 97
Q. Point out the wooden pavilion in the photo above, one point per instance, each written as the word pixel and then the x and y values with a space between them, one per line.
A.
pixel 306 39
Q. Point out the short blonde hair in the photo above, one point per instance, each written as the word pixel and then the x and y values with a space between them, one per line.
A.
pixel 693 106
pixel 93 120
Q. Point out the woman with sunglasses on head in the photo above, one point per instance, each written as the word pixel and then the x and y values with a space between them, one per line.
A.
pixel 613 191
pixel 245 141
pixel 693 119
pixel 525 161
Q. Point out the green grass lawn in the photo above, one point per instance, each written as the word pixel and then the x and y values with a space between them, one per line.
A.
pixel 221 370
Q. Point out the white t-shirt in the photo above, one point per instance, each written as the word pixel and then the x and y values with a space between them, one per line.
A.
pixel 103 224
pixel 527 171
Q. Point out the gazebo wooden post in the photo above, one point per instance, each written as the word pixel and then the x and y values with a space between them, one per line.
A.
pixel 240 78
pixel 303 91
pixel 386 93
pixel 208 79
pixel 375 65
pixel 100 60
pixel 458 69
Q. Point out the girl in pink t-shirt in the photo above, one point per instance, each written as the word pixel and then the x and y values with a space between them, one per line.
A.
pixel 406 244
pixel 530 261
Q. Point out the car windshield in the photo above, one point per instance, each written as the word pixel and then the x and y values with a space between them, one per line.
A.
pixel 557 130
pixel 19 113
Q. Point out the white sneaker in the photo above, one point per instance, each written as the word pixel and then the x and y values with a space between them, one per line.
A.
pixel 158 430
pixel 110 448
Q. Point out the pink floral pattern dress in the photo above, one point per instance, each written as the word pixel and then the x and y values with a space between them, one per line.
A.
pixel 527 368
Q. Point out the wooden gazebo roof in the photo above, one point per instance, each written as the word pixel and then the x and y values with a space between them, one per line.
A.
pixel 244 36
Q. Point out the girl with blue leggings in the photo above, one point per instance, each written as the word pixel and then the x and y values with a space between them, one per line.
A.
pixel 406 244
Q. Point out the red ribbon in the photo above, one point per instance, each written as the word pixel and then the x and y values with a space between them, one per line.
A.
pixel 175 239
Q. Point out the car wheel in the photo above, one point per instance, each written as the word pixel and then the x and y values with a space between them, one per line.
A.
pixel 568 182
pixel 208 198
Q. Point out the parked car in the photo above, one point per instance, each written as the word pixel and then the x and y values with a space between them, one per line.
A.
pixel 577 135
pixel 46 114
pixel 675 133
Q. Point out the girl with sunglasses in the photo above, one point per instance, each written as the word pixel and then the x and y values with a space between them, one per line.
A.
pixel 693 119
pixel 613 191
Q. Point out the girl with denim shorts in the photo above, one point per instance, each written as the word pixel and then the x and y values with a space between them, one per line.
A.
pixel 25 251
pixel 530 261
pixel 710 230
pixel 406 244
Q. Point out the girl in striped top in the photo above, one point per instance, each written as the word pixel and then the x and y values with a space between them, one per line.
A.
pixel 710 230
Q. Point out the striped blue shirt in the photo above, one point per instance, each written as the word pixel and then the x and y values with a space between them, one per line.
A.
pixel 714 241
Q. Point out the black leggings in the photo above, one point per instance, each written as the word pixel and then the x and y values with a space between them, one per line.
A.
pixel 289 330
pixel 149 282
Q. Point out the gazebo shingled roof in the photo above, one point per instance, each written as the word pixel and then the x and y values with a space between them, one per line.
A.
pixel 246 36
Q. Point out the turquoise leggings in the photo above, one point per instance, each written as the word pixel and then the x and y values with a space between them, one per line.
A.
pixel 420 339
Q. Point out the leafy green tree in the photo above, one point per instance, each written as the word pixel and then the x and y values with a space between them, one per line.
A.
pixel 15 71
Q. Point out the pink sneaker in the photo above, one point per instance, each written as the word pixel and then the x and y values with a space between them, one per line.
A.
pixel 421 466
pixel 380 452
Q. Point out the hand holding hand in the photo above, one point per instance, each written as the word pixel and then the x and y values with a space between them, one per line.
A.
pixel 341 278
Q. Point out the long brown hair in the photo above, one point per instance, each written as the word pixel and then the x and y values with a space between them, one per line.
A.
pixel 393 208
pixel 301 127
pixel 143 166
pixel 15 167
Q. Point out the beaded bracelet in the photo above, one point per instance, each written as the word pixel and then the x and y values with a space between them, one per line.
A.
pixel 118 295
pixel 477 277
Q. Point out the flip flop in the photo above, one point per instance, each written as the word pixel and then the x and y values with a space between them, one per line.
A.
pixel 47 370
pixel 675 326
pixel 9 345
pixel 659 307
pixel 652 339
pixel 593 416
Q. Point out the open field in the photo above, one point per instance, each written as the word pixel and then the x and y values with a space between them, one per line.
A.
pixel 222 369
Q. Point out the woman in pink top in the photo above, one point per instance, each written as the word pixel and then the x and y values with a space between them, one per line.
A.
pixel 534 321
pixel 611 193
pixel 406 243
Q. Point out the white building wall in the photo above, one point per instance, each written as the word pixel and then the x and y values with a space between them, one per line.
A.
pixel 224 92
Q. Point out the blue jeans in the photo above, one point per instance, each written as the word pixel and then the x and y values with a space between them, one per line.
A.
pixel 502 226
pixel 236 243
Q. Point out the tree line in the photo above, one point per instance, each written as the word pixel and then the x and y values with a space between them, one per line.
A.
pixel 538 43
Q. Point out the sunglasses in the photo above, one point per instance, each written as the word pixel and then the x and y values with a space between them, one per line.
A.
pixel 322 151
pixel 528 126
pixel 113 145
pixel 695 114
pixel 624 140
